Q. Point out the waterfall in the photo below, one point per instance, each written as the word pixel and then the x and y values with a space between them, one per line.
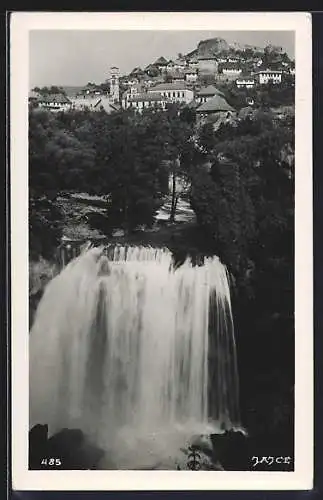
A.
pixel 125 347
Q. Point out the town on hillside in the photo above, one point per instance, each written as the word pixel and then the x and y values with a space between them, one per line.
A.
pixel 214 79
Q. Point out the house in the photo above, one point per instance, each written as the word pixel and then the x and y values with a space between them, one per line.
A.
pixel 170 65
pixel 177 77
pixel 214 105
pixel 161 63
pixel 55 102
pixel 246 82
pixel 269 76
pixel 193 62
pixel 131 81
pixel 84 102
pixel 145 100
pixel 206 93
pixel 175 92
pixel 207 64
pixel 190 75
pixel 230 70
pixel 179 64
pixel 131 92
pixel 92 103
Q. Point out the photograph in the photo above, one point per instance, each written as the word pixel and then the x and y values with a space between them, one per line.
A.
pixel 163 196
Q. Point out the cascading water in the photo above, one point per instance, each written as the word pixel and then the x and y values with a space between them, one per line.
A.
pixel 138 355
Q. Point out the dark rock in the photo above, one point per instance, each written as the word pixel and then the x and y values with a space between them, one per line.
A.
pixel 68 449
pixel 37 445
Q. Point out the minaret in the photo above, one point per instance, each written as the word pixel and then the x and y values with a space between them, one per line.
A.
pixel 114 84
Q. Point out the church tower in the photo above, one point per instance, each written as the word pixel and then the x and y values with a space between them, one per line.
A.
pixel 114 84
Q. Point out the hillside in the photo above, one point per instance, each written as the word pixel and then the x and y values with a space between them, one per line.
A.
pixel 212 46
pixel 219 46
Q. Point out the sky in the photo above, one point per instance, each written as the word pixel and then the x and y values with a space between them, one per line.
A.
pixel 75 57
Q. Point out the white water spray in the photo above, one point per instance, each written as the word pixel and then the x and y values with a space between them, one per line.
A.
pixel 130 350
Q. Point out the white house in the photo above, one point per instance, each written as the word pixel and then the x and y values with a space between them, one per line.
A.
pixel 146 100
pixel 174 92
pixel 130 92
pixel 55 102
pixel 190 75
pixel 245 82
pixel 231 70
pixel 269 76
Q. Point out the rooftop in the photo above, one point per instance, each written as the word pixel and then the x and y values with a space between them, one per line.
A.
pixel 58 98
pixel 216 103
pixel 161 60
pixel 145 96
pixel 230 65
pixel 267 71
pixel 210 90
pixel 206 58
pixel 169 86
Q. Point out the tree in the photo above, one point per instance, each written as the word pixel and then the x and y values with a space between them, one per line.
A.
pixel 58 162
pixel 53 89
pixel 178 134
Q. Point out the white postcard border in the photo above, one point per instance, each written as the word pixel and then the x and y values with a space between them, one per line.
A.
pixel 302 477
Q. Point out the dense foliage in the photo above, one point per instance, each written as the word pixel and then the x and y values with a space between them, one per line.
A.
pixel 244 199
pixel 124 156
pixel 242 191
